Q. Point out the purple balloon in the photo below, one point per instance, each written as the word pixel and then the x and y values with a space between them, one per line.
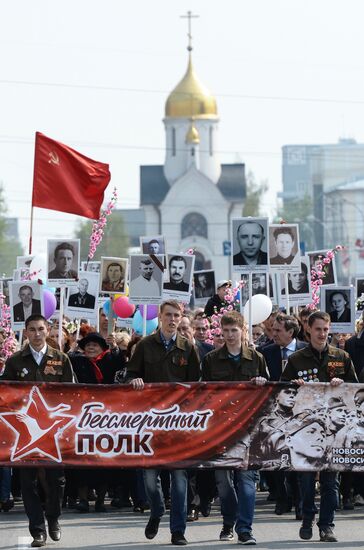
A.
pixel 50 303
pixel 152 311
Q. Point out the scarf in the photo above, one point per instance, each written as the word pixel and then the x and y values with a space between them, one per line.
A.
pixel 97 371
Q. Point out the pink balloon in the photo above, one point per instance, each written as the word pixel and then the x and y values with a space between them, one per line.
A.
pixel 122 308
pixel 50 303
pixel 152 311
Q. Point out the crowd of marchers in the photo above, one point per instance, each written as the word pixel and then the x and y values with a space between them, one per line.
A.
pixel 284 348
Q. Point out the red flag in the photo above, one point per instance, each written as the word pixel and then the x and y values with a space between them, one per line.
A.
pixel 67 181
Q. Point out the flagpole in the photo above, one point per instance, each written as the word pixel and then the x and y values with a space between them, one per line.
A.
pixel 31 230
pixel 32 207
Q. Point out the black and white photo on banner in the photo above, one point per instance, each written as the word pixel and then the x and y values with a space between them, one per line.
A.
pixel 82 299
pixel 204 285
pixel 146 278
pixel 250 243
pixel 114 275
pixel 26 298
pixel 63 260
pixel 284 248
pixel 339 303
pixel 316 257
pixel 180 270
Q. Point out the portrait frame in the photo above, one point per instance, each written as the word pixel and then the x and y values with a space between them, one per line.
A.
pixel 93 266
pixel 90 308
pixel 108 287
pixel 24 261
pixel 262 254
pixel 16 311
pixel 202 296
pixel 330 278
pixel 139 291
pixel 276 262
pixel 359 291
pixel 260 285
pixel 146 239
pixel 169 289
pixel 296 298
pixel 347 324
pixel 52 277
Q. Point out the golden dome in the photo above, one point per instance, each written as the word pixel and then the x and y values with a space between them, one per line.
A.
pixel 192 135
pixel 190 98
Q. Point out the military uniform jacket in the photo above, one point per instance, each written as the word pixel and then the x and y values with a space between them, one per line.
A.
pixel 313 366
pixel 54 367
pixel 218 367
pixel 153 363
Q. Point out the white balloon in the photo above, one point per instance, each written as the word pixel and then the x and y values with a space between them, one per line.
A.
pixel 261 309
pixel 38 265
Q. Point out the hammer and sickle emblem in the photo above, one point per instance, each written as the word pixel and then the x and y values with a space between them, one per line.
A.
pixel 53 158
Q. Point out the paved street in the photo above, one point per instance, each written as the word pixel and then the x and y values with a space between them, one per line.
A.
pixel 125 530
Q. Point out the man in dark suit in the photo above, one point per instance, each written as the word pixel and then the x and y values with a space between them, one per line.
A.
pixel 27 306
pixel 177 269
pixel 285 331
pixel 82 298
pixel 250 237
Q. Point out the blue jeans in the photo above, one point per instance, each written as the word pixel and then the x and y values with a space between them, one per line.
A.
pixel 329 487
pixel 153 489
pixel 5 483
pixel 236 490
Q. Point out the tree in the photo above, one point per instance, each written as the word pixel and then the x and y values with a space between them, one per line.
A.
pixel 10 246
pixel 300 211
pixel 254 193
pixel 115 241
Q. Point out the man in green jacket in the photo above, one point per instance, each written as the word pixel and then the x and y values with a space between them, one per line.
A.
pixel 319 362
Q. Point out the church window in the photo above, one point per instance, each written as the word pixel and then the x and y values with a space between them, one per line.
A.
pixel 194 224
pixel 173 142
pixel 211 147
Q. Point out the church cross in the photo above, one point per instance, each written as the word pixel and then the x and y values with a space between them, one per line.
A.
pixel 189 17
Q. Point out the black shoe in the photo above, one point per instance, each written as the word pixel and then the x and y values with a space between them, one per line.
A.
pixel 54 530
pixel 246 538
pixel 7 505
pixel 226 532
pixel 205 508
pixel 327 535
pixel 83 506
pixel 192 515
pixel 348 504
pixel 306 529
pixel 100 508
pixel 178 538
pixel 39 540
pixel 152 528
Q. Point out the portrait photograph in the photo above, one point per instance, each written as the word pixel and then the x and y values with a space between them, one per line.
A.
pixel 63 257
pixel 316 256
pixel 250 244
pixel 26 299
pixel 180 270
pixel 82 299
pixel 284 248
pixel 359 286
pixel 5 281
pixel 260 285
pixel 153 245
pixel 204 285
pixel 339 303
pixel 146 279
pixel 114 275
pixel 299 285
pixel 91 266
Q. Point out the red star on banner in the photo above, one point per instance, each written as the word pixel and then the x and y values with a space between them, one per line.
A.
pixel 38 427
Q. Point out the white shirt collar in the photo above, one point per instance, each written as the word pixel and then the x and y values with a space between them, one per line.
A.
pixel 38 355
pixel 291 346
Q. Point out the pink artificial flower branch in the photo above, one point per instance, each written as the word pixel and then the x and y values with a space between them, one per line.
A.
pixel 99 226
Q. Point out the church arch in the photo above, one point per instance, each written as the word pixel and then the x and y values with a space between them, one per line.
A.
pixel 194 224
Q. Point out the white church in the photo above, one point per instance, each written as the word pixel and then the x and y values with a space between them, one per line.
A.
pixel 192 197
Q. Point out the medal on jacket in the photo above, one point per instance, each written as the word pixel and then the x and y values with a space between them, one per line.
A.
pixel 49 369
